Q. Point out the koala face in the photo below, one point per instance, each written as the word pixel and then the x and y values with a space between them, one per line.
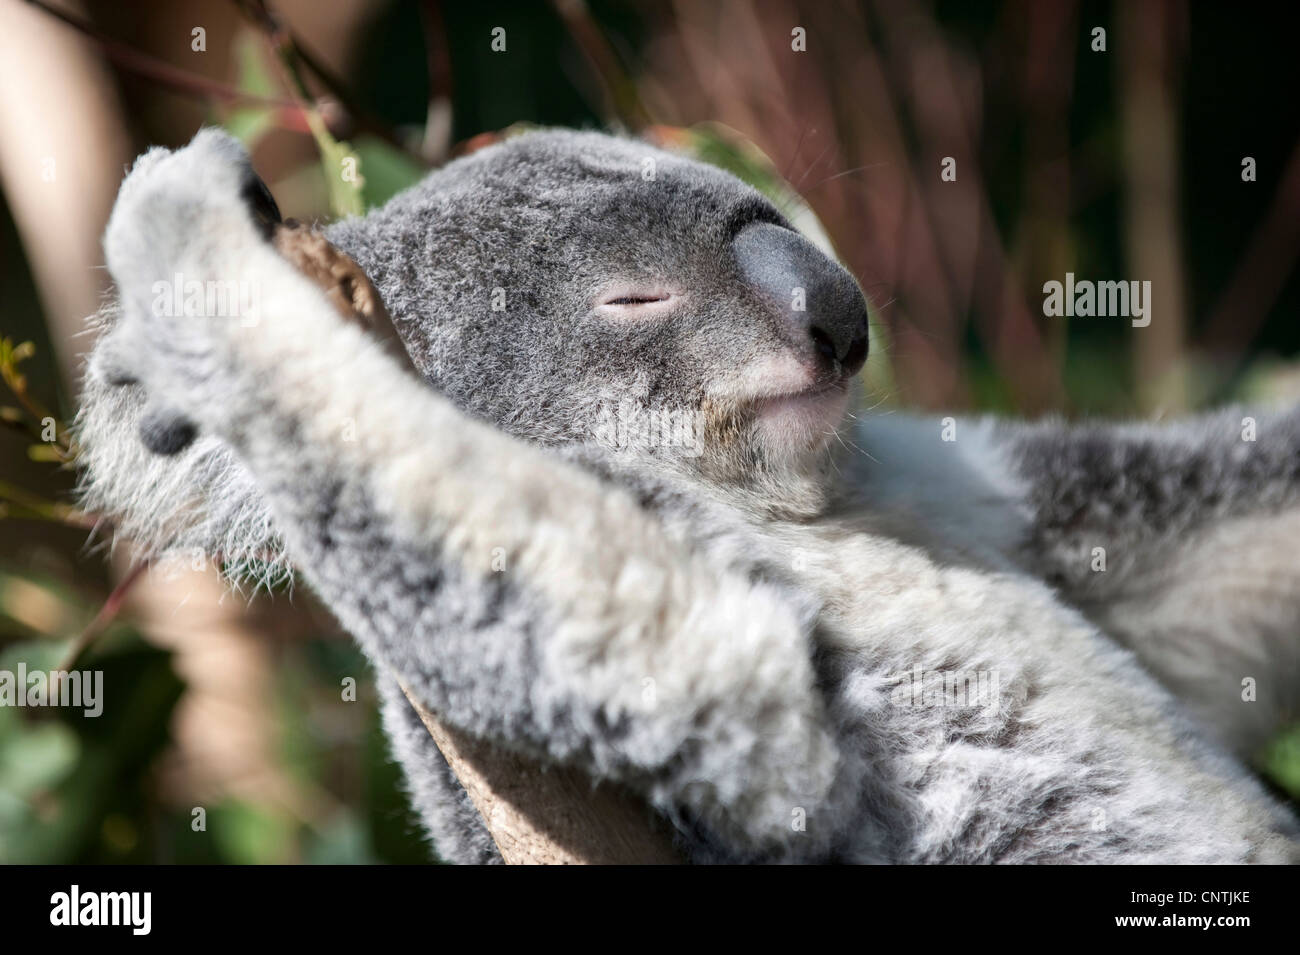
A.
pixel 575 287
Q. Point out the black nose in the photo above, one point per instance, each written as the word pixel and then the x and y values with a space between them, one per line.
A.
pixel 822 309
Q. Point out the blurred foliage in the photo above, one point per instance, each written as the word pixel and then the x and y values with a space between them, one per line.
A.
pixel 75 788
pixel 1281 763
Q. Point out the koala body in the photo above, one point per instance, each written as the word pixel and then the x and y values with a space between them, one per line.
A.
pixel 621 519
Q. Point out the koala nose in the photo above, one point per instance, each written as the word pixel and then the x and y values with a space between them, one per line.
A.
pixel 822 308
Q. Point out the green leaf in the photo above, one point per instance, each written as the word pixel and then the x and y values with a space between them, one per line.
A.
pixel 36 757
pixel 1281 761
pixel 388 170
pixel 249 123
pixel 62 819
pixel 45 453
pixel 249 835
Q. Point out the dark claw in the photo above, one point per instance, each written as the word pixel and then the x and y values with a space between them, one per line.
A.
pixel 262 204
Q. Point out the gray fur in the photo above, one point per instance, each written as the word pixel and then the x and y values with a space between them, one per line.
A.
pixel 724 631
pixel 453 823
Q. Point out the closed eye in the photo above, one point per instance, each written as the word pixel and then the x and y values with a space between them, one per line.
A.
pixel 637 299
pixel 625 304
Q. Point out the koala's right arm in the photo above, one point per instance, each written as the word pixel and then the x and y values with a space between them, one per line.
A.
pixel 519 597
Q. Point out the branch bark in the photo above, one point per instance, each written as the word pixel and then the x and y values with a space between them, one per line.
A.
pixel 549 815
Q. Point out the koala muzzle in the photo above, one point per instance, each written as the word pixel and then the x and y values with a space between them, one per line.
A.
pixel 821 309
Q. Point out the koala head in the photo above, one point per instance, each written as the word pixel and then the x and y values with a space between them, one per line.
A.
pixel 577 287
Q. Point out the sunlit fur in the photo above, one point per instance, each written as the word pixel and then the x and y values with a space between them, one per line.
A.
pixel 725 633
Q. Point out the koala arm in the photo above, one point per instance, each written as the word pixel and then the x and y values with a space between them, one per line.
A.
pixel 1180 538
pixel 1177 538
pixel 517 596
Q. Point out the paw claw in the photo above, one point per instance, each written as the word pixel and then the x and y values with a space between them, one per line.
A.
pixel 260 202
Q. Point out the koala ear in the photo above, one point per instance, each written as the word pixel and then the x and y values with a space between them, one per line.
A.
pixel 166 431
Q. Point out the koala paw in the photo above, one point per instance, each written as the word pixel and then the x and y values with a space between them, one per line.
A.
pixel 176 246
pixel 186 210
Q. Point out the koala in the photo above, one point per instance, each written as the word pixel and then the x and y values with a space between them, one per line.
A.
pixel 613 511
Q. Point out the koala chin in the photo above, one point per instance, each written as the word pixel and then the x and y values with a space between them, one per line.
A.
pixel 799 634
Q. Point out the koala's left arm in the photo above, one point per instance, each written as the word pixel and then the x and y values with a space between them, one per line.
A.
pixel 1180 539
pixel 1183 540
pixel 519 597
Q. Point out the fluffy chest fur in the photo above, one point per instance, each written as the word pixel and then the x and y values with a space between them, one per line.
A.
pixel 969 698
